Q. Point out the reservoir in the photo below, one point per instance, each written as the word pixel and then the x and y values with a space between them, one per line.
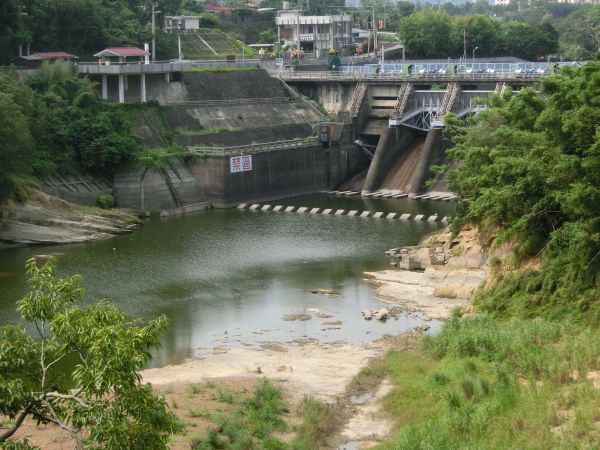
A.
pixel 226 278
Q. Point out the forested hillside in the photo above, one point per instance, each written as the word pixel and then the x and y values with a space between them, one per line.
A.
pixel 57 120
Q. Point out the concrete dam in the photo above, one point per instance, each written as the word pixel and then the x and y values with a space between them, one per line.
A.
pixel 248 136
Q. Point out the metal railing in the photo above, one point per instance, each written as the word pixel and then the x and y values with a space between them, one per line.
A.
pixel 255 148
pixel 390 76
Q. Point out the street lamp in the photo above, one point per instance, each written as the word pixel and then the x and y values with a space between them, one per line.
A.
pixel 476 48
pixel 154 13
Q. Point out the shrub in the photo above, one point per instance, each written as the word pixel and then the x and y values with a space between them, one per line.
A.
pixel 105 201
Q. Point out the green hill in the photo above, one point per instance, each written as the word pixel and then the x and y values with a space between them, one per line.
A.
pixel 198 45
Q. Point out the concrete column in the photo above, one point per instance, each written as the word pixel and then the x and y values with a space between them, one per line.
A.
pixel 167 77
pixel 143 88
pixel 104 87
pixel 121 89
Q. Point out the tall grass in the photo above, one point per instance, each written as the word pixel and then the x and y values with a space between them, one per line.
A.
pixel 485 384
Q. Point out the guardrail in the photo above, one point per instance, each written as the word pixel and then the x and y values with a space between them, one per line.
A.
pixel 341 76
pixel 255 148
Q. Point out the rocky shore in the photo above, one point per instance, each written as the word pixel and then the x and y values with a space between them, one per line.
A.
pixel 442 273
pixel 44 219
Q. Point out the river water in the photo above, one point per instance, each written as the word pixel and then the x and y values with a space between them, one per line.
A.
pixel 225 278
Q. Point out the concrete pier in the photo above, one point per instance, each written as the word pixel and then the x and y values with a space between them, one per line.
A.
pixel 365 214
pixel 302 209
pixel 289 209
pixel 327 211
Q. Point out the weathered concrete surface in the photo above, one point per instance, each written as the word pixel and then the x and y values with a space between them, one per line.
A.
pixel 392 145
pixel 44 219
pixel 153 190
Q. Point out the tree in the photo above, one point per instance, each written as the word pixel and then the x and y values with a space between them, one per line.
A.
pixel 530 172
pixel 16 143
pixel 102 400
pixel 479 31
pixel 428 33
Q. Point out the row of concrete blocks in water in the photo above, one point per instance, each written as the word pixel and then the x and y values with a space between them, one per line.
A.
pixel 343 212
pixel 444 197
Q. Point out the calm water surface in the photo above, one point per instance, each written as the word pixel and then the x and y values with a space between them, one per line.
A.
pixel 226 277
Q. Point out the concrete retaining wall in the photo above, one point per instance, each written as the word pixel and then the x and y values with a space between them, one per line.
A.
pixel 276 174
pixel 154 190
pixel 247 137
pixel 237 117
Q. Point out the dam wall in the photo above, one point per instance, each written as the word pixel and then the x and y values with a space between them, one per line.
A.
pixel 433 152
pixel 393 144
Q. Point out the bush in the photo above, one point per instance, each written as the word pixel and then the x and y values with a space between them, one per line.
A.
pixel 105 201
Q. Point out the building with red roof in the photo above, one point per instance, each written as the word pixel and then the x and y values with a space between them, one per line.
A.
pixel 34 60
pixel 121 52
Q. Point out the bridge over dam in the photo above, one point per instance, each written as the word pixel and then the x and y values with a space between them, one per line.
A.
pixel 398 119
pixel 256 135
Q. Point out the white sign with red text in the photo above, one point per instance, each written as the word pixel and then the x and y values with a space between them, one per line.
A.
pixel 240 163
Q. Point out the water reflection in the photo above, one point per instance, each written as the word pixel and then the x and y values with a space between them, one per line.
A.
pixel 226 277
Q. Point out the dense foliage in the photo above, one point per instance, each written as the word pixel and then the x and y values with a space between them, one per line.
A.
pixel 86 26
pixel 434 33
pixel 530 165
pixel 57 122
pixel 102 393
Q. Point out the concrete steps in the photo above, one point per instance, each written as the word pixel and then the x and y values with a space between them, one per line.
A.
pixel 257 207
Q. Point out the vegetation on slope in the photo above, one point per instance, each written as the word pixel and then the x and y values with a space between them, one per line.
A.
pixel 57 123
pixel 530 165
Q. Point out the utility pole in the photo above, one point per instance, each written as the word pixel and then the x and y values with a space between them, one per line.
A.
pixel 154 13
pixel 374 30
pixel 298 33
pixel 464 45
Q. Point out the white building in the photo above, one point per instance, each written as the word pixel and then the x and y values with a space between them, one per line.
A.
pixel 182 23
pixel 314 33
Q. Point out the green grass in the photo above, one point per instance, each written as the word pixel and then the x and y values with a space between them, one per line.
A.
pixel 249 424
pixel 482 383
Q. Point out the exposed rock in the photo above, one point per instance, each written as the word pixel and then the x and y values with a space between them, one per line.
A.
pixel 45 219
pixel 326 292
pixel 367 314
pixel 320 313
pixel 292 317
pixel 381 314
pixel 334 323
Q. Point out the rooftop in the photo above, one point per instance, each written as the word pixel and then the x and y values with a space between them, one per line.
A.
pixel 49 55
pixel 122 52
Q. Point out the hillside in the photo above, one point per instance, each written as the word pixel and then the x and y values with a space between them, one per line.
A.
pixel 200 45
